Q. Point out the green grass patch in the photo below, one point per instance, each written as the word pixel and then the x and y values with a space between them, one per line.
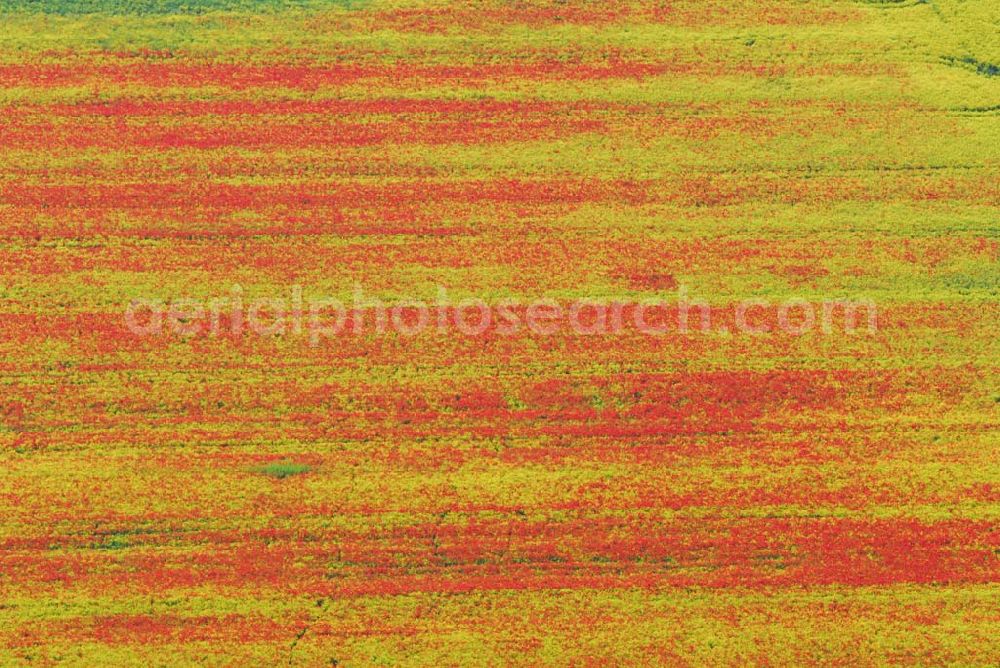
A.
pixel 282 470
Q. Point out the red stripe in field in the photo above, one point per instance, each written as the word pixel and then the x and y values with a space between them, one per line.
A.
pixel 280 134
pixel 314 76
pixel 518 555
pixel 701 191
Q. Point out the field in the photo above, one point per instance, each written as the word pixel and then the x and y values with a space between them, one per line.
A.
pixel 765 494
